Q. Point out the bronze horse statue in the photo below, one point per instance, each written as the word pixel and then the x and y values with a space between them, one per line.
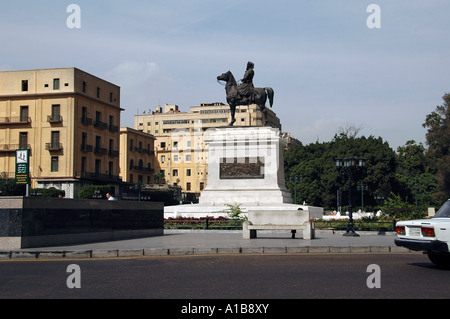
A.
pixel 233 98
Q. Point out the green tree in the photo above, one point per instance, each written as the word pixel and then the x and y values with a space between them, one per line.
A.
pixel 159 178
pixel 94 191
pixel 319 179
pixel 438 141
pixel 416 174
pixel 8 187
pixel 379 173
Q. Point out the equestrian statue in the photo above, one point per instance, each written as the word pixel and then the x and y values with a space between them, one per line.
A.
pixel 245 93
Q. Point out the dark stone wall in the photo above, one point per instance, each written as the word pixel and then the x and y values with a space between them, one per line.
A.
pixel 53 216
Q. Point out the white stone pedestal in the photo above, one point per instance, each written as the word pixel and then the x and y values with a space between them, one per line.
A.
pixel 245 165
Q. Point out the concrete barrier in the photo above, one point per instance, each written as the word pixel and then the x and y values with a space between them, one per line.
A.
pixel 292 220
pixel 40 222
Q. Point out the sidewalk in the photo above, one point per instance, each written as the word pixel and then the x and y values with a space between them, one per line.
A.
pixel 217 242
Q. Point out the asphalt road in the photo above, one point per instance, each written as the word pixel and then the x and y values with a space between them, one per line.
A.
pixel 255 277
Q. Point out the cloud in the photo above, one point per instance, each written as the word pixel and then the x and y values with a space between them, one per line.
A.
pixel 321 130
pixel 141 83
pixel 132 74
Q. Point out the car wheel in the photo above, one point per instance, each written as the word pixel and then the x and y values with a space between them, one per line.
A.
pixel 440 259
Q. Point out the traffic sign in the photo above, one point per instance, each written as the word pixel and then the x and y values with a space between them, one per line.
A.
pixel 22 166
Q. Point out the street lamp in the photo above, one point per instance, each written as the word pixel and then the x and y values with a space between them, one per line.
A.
pixel 295 180
pixel 362 187
pixel 348 164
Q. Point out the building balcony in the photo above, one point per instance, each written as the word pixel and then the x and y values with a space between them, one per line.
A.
pixel 7 175
pixel 143 169
pixel 86 148
pixel 86 120
pixel 113 128
pixel 100 125
pixel 97 177
pixel 113 153
pixel 6 148
pixel 100 150
pixel 54 118
pixel 53 146
pixel 149 152
pixel 20 120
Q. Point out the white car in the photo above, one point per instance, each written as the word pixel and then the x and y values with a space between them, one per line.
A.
pixel 429 235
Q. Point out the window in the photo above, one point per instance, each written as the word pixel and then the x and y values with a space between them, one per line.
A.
pixel 188 172
pixel 83 164
pixel 83 113
pixel 55 140
pixel 163 158
pixel 175 158
pixel 202 185
pixel 98 142
pixel 110 97
pixel 98 117
pixel 131 145
pixel 111 168
pixel 98 92
pixel 163 144
pixel 175 144
pixel 84 86
pixel 188 186
pixel 175 172
pixel 98 166
pixel 56 109
pixel 188 158
pixel 54 165
pixel 24 85
pixel 56 84
pixel 83 138
pixel 23 140
pixel 24 113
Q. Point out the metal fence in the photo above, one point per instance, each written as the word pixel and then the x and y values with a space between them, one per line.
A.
pixel 230 224
pixel 360 225
pixel 206 223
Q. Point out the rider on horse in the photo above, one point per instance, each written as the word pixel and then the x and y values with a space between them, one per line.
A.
pixel 246 89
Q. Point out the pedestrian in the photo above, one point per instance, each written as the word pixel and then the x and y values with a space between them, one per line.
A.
pixel 109 197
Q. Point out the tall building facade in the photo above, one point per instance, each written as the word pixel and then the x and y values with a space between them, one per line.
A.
pixel 180 152
pixel 137 156
pixel 68 119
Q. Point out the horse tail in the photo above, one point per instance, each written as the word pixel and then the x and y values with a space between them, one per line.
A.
pixel 270 93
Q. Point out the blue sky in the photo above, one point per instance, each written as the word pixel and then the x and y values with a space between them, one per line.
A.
pixel 327 68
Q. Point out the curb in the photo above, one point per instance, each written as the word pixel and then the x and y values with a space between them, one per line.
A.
pixel 148 252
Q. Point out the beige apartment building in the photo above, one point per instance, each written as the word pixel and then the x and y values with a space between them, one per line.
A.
pixel 68 119
pixel 137 156
pixel 180 151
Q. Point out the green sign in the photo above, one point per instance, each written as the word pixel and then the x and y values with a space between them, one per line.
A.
pixel 22 166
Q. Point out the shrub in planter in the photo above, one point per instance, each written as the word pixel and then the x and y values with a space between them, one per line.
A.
pixel 94 191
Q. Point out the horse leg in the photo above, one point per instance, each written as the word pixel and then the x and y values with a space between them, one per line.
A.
pixel 232 111
pixel 263 109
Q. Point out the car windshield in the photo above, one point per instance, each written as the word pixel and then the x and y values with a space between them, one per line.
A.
pixel 444 211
